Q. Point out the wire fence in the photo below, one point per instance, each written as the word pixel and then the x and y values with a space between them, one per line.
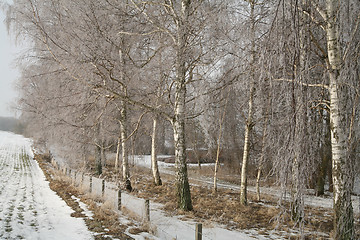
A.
pixel 168 229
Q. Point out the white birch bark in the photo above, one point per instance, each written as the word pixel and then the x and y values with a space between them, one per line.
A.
pixel 154 163
pixel 123 127
pixel 249 123
pixel 342 181
pixel 117 157
pixel 124 147
pixel 154 138
pixel 249 120
pixel 182 182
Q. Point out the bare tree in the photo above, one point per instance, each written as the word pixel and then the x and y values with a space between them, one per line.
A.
pixel 342 180
pixel 249 121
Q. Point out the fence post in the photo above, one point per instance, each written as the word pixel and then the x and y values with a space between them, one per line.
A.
pixel 76 177
pixel 198 231
pixel 90 184
pixel 147 210
pixel 119 200
pixel 103 187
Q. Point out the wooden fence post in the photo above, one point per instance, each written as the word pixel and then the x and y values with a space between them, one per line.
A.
pixel 147 210
pixel 119 200
pixel 90 184
pixel 198 231
pixel 103 187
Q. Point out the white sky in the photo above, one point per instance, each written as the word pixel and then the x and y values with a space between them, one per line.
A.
pixel 8 73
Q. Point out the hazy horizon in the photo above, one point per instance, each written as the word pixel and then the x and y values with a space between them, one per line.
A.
pixel 8 72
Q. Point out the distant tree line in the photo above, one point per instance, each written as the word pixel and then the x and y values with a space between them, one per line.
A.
pixel 11 124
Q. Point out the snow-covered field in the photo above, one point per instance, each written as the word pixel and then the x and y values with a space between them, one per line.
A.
pixel 29 209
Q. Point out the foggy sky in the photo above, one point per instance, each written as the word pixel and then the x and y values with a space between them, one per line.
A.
pixel 8 73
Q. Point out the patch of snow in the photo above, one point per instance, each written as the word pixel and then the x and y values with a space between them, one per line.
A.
pixel 89 214
pixel 145 161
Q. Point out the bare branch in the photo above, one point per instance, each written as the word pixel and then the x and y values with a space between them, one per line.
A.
pixel 301 83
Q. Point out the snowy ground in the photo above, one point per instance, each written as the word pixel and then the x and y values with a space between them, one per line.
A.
pixel 29 209
pixel 35 212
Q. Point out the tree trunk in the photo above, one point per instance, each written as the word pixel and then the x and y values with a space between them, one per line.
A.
pixel 183 188
pixel 249 120
pixel 217 163
pixel 182 182
pixel 123 124
pixel 325 155
pixel 98 164
pixel 249 123
pixel 154 163
pixel 124 147
pixel 103 153
pixel 117 157
pixel 342 181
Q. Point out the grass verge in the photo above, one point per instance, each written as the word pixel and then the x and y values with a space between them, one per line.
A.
pixel 104 222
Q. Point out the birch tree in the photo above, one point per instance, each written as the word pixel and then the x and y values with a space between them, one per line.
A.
pixel 249 121
pixel 182 182
pixel 183 22
pixel 342 180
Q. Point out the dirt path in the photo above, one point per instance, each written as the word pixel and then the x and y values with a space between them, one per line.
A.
pixel 28 208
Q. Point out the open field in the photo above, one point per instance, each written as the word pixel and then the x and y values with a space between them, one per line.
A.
pixel 29 209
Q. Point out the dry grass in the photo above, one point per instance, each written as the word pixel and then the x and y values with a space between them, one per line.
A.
pixel 206 206
pixel 224 208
